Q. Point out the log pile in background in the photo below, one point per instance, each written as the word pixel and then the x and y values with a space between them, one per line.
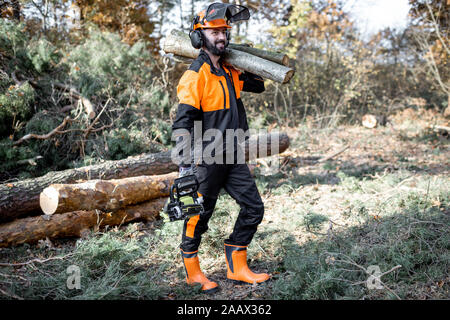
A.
pixel 267 64
pixel 68 207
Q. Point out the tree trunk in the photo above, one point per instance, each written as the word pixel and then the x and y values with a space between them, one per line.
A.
pixel 16 9
pixel 179 43
pixel 19 199
pixel 105 195
pixel 73 224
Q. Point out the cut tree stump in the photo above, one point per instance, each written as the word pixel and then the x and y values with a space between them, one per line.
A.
pixel 371 121
pixel 105 195
pixel 74 224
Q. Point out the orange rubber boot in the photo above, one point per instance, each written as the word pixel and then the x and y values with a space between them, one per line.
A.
pixel 237 268
pixel 194 275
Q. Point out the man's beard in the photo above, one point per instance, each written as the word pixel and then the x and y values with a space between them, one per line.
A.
pixel 213 49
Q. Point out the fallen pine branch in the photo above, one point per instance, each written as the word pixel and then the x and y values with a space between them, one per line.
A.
pixel 6 293
pixel 87 104
pixel 333 155
pixel 312 160
pixel 89 129
pixel 2 264
pixel 31 161
pixel 57 130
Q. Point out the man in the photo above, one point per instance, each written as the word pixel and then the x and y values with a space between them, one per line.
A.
pixel 209 94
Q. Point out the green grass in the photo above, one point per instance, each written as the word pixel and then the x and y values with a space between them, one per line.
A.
pixel 336 268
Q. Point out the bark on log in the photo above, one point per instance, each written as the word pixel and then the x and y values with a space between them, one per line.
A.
pixel 277 57
pixel 105 195
pixel 19 199
pixel 179 43
pixel 266 145
pixel 73 224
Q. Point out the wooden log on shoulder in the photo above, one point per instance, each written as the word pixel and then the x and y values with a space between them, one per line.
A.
pixel 73 224
pixel 105 195
pixel 21 198
pixel 179 43
pixel 277 57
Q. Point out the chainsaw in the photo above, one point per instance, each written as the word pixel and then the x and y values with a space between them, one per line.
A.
pixel 184 201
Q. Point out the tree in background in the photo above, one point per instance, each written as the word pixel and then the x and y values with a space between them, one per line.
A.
pixel 10 9
pixel 129 18
pixel 431 20
pixel 332 65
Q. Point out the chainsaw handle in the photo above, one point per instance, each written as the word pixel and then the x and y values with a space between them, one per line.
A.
pixel 186 181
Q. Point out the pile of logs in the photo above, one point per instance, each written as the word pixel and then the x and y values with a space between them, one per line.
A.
pixel 71 202
pixel 267 64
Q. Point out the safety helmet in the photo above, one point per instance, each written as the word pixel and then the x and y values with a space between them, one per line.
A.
pixel 217 15
pixel 200 22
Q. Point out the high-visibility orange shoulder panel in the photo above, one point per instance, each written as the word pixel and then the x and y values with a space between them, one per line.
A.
pixel 190 89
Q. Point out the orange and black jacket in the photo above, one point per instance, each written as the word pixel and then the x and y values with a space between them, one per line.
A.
pixel 214 96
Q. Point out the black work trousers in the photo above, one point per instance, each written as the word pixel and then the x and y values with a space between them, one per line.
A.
pixel 240 185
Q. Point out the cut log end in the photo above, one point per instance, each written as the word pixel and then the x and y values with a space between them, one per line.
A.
pixel 48 200
pixel 288 76
pixel 369 121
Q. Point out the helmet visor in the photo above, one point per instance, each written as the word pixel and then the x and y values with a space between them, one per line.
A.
pixel 229 12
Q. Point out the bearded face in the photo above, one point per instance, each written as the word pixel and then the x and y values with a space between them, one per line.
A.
pixel 215 41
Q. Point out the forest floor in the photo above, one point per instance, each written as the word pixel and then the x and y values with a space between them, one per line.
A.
pixel 379 208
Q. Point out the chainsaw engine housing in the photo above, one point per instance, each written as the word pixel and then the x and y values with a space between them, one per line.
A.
pixel 184 201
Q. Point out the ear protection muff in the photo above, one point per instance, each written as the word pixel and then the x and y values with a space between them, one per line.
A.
pixel 196 35
pixel 196 39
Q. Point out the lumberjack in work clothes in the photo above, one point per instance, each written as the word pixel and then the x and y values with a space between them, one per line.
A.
pixel 209 94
